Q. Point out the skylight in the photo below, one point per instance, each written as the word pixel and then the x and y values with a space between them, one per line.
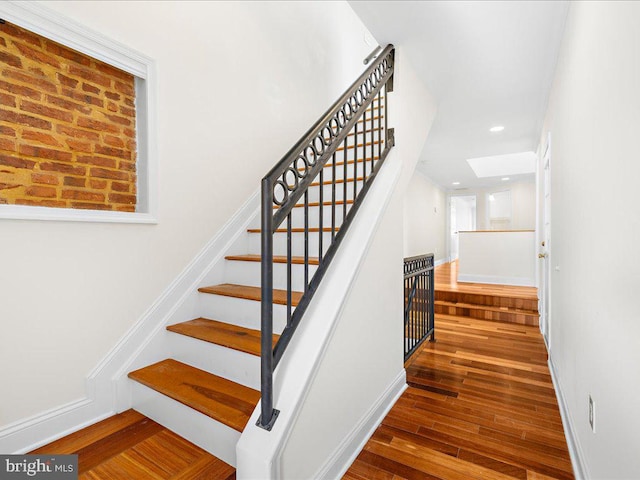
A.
pixel 503 165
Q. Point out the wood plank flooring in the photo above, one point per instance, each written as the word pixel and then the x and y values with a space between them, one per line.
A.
pixel 131 446
pixel 480 404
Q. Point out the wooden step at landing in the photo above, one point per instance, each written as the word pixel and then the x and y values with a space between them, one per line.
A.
pixel 276 259
pixel 485 312
pixel 509 300
pixel 250 293
pixel 230 336
pixel 223 400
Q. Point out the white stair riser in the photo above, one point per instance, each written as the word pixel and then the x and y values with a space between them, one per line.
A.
pixel 297 216
pixel 248 273
pixel 314 192
pixel 354 169
pixel 209 434
pixel 231 364
pixel 297 246
pixel 239 311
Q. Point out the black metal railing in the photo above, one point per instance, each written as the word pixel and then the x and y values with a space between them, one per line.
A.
pixel 350 141
pixel 418 302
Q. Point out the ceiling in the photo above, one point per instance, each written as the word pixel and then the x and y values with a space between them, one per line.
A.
pixel 487 63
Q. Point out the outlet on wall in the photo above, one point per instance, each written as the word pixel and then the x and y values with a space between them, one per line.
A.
pixel 592 414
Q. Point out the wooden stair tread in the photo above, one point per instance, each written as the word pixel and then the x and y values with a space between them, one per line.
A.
pixel 250 293
pixel 376 117
pixel 276 259
pixel 230 336
pixel 360 145
pixel 340 180
pixel 483 289
pixel 486 307
pixel 317 204
pixel 349 162
pixel 295 230
pixel 223 400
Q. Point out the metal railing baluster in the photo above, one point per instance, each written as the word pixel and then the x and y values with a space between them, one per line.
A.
pixel 289 269
pixel 333 198
pixel 306 239
pixel 419 299
pixel 289 181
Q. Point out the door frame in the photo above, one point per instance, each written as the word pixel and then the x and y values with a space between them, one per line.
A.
pixel 448 219
pixel 544 243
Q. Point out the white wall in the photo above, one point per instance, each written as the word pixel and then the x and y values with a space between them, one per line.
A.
pixel 594 120
pixel 523 204
pixel 504 258
pixel 238 83
pixel 363 359
pixel 425 216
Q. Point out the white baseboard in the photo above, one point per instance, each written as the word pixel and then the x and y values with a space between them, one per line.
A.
pixel 575 452
pixel 442 261
pixel 497 280
pixel 342 458
pixel 33 432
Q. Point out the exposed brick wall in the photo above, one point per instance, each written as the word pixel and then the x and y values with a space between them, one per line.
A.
pixel 67 127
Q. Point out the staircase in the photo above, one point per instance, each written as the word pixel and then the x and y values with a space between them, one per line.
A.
pixel 208 385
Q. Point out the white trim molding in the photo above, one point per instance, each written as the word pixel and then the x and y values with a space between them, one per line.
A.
pixel 39 19
pixel 575 452
pixel 441 261
pixel 345 454
pixel 28 434
pixel 497 280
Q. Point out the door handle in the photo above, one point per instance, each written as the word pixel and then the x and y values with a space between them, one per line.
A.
pixel 542 255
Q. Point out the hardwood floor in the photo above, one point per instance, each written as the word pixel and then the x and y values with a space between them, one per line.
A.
pixel 480 404
pixel 133 447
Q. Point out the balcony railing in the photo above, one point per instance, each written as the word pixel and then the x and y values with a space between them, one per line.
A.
pixel 418 302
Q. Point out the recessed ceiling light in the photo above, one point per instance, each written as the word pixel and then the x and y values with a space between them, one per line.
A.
pixel 504 179
pixel 455 183
pixel 497 128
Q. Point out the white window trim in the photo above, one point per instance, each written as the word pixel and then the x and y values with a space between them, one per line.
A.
pixel 50 24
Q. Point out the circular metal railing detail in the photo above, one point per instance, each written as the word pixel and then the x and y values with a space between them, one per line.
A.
pixel 303 162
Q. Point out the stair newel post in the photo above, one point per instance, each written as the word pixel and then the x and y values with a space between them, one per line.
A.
pixel 268 414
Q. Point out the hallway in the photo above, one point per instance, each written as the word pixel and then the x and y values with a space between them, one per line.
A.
pixel 480 404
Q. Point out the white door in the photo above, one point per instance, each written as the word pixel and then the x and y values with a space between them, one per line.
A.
pixel 545 247
pixel 462 218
